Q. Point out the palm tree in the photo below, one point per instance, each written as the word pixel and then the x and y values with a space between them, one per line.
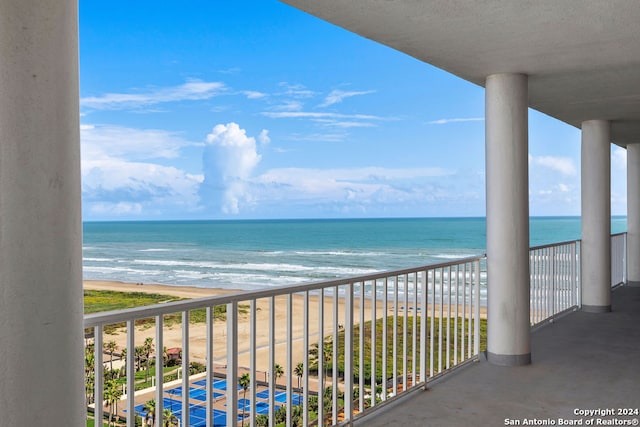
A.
pixel 299 371
pixel 110 347
pixel 112 394
pixel 244 382
pixel 123 357
pixel 278 371
pixel 150 409
pixel 147 348
pixel 139 351
pixel 327 354
pixel 169 418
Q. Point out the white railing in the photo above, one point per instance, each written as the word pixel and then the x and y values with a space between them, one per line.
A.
pixel 354 344
pixel 554 280
pixel 618 259
pixel 358 342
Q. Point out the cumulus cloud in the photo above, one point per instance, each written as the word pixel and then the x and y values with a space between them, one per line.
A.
pixel 564 165
pixel 189 91
pixel 229 158
pixel 337 96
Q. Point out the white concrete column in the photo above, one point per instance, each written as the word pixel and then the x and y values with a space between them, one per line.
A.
pixel 41 331
pixel 508 327
pixel 596 216
pixel 633 214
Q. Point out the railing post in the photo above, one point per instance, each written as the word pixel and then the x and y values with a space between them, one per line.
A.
pixel 185 371
pixel 98 377
pixel 209 360
pixel 423 329
pixel 131 374
pixel 348 361
pixel 552 273
pixel 476 330
pixel 159 370
pixel 232 364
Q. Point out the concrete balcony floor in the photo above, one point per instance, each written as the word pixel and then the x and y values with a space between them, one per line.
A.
pixel 583 360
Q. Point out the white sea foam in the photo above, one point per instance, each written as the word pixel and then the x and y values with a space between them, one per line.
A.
pixel 154 250
pixel 453 256
pixel 98 259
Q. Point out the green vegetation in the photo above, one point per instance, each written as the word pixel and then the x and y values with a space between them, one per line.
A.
pixel 398 333
pixel 96 301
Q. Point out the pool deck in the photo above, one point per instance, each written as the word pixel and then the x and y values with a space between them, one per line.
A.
pixel 582 361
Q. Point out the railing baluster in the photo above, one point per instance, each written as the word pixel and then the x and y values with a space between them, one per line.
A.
pixel 405 327
pixel 185 367
pixel 455 320
pixel 448 344
pixel 360 349
pixel 464 310
pixel 374 342
pixel 305 363
pixel 395 336
pixel 385 349
pixel 334 359
pixel 433 323
pixel 321 356
pixel 414 344
pixel 348 361
pixel 252 361
pixel 476 333
pixel 98 375
pixel 441 319
pixel 289 372
pixel 423 328
pixel 232 364
pixel 131 373
pixel 159 372
pixel 272 360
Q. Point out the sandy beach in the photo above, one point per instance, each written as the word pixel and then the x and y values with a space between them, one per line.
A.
pixel 197 331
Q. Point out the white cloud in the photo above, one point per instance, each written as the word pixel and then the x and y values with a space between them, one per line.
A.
pixel 124 142
pixel 229 158
pixel 337 96
pixel 316 115
pixel 120 177
pixel 296 90
pixel 456 120
pixel 289 105
pixel 564 165
pixel 263 138
pixel 189 91
pixel 252 94
pixel 619 158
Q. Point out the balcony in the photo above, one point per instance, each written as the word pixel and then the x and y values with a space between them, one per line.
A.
pixel 261 360
pixel 583 361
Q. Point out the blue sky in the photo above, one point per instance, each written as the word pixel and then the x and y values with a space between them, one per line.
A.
pixel 252 109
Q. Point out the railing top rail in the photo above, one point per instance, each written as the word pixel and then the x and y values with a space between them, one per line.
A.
pixel 117 316
pixel 550 245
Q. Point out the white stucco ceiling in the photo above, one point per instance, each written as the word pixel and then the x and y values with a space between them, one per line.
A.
pixel 582 56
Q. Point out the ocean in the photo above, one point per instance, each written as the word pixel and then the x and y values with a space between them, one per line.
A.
pixel 254 254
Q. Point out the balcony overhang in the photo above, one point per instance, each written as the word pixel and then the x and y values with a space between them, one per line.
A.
pixel 582 56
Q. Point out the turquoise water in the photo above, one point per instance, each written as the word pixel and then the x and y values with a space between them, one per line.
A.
pixel 263 253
